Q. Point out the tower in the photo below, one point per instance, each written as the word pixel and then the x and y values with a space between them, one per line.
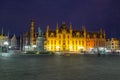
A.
pixel 32 32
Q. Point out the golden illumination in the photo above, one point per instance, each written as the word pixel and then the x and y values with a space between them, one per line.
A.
pixel 63 39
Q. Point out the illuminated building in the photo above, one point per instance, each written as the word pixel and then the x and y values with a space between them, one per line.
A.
pixel 69 40
pixel 3 41
pixel 95 39
pixel 65 39
pixel 113 44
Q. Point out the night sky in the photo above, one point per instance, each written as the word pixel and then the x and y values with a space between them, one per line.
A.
pixel 15 15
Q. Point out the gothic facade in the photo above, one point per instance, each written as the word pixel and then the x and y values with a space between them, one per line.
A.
pixel 64 39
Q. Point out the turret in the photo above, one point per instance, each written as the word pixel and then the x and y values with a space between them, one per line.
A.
pixel 2 32
pixel 101 32
pixel 57 28
pixel 47 30
pixel 70 27
pixel 104 34
pixel 84 30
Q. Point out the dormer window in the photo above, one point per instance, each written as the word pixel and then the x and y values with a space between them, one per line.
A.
pixel 88 36
pixel 77 34
pixel 52 35
pixel 94 36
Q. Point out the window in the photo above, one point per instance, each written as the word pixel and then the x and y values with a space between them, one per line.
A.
pixel 52 35
pixel 82 42
pixel 59 37
pixel 51 41
pixel 64 36
pixel 63 42
pixel 73 42
pixel 68 42
pixel 77 34
pixel 55 42
pixel 79 42
pixel 68 37
pixel 59 42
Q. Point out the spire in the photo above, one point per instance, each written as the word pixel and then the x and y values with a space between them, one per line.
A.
pixel 14 37
pixel 32 23
pixel 47 28
pixel 2 32
pixel 104 34
pixel 83 28
pixel 70 25
pixel 101 30
pixel 8 34
pixel 101 34
pixel 57 26
pixel 63 22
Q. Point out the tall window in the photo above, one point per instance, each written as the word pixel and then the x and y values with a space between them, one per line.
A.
pixel 68 36
pixel 51 41
pixel 55 42
pixel 63 42
pixel 73 42
pixel 64 36
pixel 82 43
pixel 59 37
pixel 59 42
pixel 48 42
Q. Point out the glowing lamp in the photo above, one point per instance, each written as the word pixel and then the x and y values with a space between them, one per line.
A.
pixel 6 43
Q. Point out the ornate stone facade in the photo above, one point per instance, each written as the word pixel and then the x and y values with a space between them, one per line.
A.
pixel 64 39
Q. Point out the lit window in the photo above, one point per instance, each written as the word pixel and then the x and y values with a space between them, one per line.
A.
pixel 68 37
pixel 64 36
pixel 59 36
pixel 59 42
